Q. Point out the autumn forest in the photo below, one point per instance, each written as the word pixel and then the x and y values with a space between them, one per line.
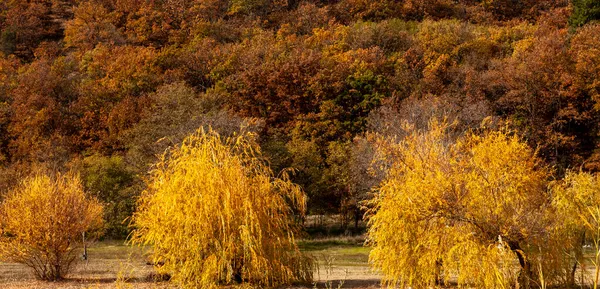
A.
pixel 460 137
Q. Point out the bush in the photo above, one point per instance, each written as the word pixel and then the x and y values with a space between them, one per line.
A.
pixel 42 222
pixel 215 214
pixel 577 200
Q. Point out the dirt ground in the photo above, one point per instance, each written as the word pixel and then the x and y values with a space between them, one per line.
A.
pixel 342 263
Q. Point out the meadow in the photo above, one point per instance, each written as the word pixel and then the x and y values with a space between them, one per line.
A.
pixel 342 263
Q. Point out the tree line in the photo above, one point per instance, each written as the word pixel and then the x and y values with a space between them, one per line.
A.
pixel 104 87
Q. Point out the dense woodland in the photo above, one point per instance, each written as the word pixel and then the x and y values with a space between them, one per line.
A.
pixel 104 87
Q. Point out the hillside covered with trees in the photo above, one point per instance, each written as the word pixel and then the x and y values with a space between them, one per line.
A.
pixel 464 133
pixel 104 87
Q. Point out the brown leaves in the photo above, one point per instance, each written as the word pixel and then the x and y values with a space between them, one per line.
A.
pixel 92 24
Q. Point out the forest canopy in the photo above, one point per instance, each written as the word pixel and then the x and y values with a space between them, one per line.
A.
pixel 104 87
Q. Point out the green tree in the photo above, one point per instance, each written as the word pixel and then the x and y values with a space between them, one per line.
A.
pixel 111 181
pixel 584 11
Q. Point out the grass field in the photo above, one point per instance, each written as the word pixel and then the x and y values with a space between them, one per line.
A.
pixel 111 264
pixel 342 262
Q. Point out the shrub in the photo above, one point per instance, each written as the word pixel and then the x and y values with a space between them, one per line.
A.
pixel 215 214
pixel 42 222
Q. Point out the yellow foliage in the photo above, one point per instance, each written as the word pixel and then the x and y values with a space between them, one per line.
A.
pixel 577 203
pixel 42 221
pixel 577 195
pixel 469 209
pixel 438 38
pixel 215 214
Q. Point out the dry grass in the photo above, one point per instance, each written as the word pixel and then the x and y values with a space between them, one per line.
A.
pixel 112 264
pixel 341 261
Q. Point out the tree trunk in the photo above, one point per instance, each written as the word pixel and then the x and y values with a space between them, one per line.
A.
pixel 578 256
pixel 356 219
pixel 526 275
pixel 438 272
pixel 238 266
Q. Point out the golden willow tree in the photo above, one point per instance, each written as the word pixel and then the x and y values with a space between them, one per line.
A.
pixel 42 222
pixel 474 210
pixel 215 215
pixel 577 199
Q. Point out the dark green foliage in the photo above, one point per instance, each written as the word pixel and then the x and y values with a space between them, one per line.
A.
pixel 8 39
pixel 362 94
pixel 113 183
pixel 584 11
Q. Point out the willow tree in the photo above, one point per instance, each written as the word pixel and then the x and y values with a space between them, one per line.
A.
pixel 42 222
pixel 215 214
pixel 468 208
pixel 577 202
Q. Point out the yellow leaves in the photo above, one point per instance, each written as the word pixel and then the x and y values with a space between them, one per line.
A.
pixel 437 65
pixel 445 203
pixel 248 6
pixel 576 197
pixel 43 220
pixel 442 37
pixel 508 36
pixel 507 167
pixel 216 214
pixel 522 47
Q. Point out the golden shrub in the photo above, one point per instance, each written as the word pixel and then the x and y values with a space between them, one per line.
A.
pixel 215 214
pixel 42 222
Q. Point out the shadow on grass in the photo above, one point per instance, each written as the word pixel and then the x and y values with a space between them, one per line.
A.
pixel 150 278
pixel 362 284
pixel 100 280
pixel 328 243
